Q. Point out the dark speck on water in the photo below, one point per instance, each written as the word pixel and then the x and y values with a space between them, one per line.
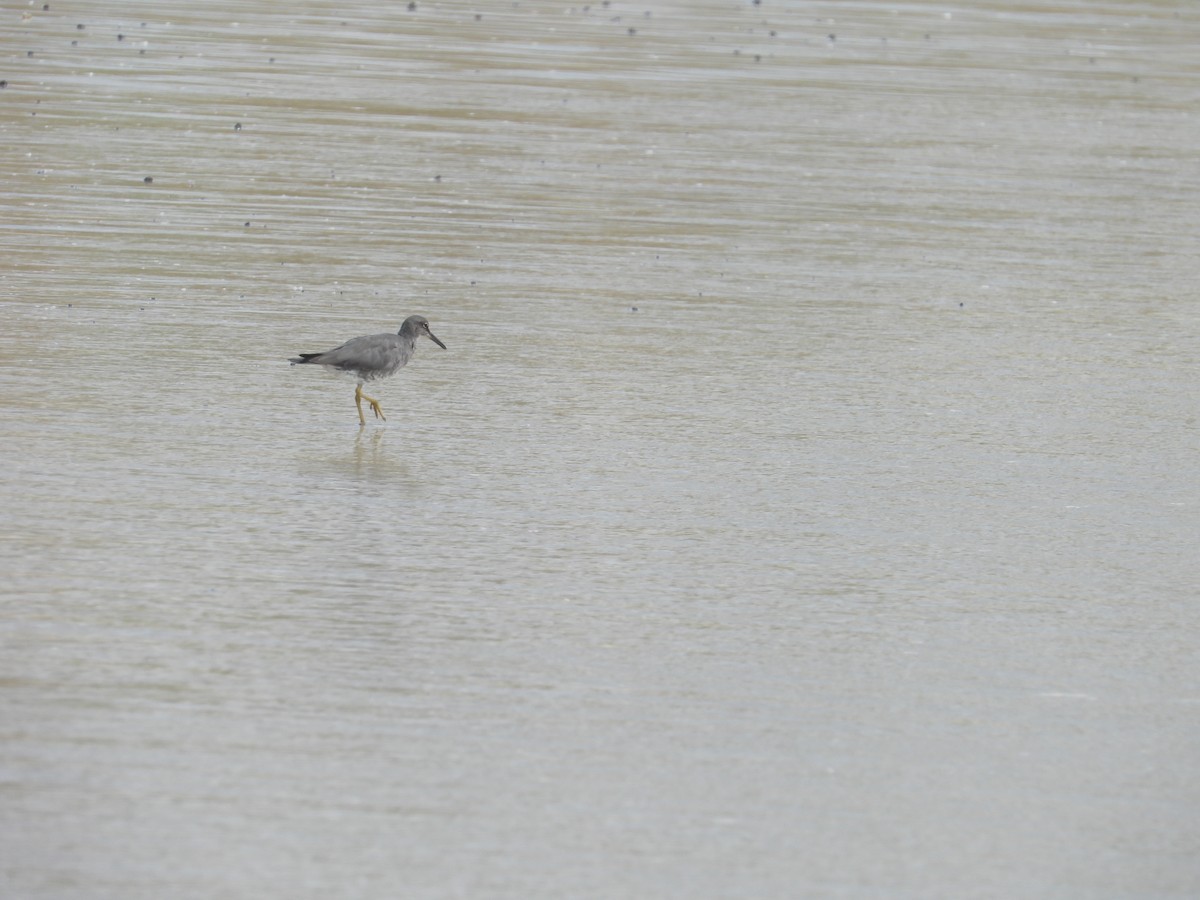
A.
pixel 148 179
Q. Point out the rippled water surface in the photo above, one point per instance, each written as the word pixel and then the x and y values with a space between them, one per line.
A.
pixel 805 505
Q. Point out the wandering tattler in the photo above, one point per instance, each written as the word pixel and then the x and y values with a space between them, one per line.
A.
pixel 372 357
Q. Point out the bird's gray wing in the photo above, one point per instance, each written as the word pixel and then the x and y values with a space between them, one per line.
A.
pixel 373 352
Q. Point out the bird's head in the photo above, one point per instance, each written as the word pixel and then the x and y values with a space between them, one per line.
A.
pixel 417 326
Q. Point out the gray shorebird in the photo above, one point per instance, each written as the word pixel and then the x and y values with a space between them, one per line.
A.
pixel 372 357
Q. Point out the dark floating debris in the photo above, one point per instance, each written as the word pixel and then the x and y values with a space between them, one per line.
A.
pixel 237 126
pixel 148 179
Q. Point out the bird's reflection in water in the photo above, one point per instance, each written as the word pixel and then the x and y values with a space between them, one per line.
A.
pixel 369 457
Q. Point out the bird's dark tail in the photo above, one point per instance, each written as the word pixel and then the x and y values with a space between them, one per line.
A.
pixel 303 358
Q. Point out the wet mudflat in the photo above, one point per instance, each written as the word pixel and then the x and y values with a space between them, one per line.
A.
pixel 805 504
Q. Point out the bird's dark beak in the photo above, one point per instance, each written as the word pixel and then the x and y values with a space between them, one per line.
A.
pixel 433 338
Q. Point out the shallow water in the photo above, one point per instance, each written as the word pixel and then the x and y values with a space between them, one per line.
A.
pixel 805 504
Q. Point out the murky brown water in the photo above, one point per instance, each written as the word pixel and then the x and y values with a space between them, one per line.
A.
pixel 806 504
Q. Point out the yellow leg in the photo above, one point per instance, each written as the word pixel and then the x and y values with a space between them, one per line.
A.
pixel 359 397
pixel 362 420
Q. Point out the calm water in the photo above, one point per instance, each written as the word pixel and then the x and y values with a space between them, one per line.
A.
pixel 805 505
